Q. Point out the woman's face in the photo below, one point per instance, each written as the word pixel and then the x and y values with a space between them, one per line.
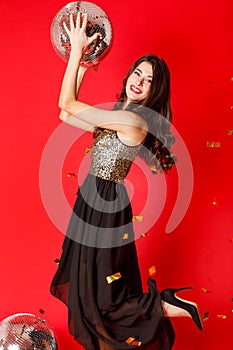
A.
pixel 139 83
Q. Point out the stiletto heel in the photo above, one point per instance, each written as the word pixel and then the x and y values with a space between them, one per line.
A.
pixel 169 296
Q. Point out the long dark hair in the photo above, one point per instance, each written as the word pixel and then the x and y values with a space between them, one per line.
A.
pixel 156 111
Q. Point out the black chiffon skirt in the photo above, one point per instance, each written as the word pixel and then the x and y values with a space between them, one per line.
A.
pixel 98 276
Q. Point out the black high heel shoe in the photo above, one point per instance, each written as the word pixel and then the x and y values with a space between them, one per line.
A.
pixel 169 296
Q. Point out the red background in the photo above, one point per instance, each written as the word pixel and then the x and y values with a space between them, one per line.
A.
pixel 195 39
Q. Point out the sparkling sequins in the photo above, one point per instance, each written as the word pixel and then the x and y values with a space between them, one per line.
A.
pixel 111 159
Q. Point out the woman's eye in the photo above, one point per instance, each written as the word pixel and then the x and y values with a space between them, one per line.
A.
pixel 137 73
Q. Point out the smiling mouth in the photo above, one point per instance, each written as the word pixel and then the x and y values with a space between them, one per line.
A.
pixel 135 89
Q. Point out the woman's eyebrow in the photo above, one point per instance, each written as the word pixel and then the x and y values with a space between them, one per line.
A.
pixel 141 72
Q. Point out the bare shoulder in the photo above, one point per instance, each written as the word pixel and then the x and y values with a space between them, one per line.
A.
pixel 133 133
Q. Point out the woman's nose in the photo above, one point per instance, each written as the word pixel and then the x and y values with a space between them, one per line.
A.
pixel 139 82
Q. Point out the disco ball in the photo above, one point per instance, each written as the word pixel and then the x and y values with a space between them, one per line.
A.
pixel 98 22
pixel 26 332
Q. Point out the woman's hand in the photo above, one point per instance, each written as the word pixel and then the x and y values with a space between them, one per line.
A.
pixel 77 33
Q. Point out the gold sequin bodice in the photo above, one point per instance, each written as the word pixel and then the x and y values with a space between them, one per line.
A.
pixel 111 159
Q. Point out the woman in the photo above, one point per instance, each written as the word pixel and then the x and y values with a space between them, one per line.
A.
pixel 98 276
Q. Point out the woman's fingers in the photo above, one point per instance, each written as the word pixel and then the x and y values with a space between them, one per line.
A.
pixel 78 20
pixel 77 31
pixel 78 24
pixel 84 24
pixel 94 37
pixel 71 22
pixel 66 28
pixel 73 25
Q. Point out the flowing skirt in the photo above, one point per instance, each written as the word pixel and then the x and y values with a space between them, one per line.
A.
pixel 98 276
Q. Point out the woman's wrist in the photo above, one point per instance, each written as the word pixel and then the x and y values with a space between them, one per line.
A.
pixel 75 56
pixel 82 70
pixel 77 51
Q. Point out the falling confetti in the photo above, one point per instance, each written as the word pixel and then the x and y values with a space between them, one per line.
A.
pixel 144 235
pixel 125 236
pixel 87 150
pixel 206 316
pixel 57 261
pixel 152 270
pixel 130 340
pixel 222 316
pixel 230 132
pixel 213 144
pixel 231 240
pixel 206 290
pixel 215 203
pixel 154 170
pixel 113 278
pixel 137 343
pixel 41 311
pixel 137 218
pixel 71 174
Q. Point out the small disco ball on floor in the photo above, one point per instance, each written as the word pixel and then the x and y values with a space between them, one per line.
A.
pixel 26 332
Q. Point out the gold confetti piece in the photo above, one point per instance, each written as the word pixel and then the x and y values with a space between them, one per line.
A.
pixel 215 203
pixel 222 316
pixel 130 340
pixel 57 261
pixel 213 144
pixel 231 240
pixel 71 174
pixel 231 78
pixel 87 150
pixel 152 270
pixel 206 290
pixel 113 278
pixel 144 235
pixel 125 236
pixel 231 107
pixel 137 218
pixel 137 343
pixel 154 169
pixel 41 311
pixel 206 316
pixel 230 132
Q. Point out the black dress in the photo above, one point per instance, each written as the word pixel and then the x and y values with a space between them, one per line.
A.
pixel 98 276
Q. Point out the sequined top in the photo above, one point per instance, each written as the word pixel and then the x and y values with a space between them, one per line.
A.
pixel 111 159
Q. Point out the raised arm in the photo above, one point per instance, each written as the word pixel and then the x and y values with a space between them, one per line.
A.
pixel 68 118
pixel 127 123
